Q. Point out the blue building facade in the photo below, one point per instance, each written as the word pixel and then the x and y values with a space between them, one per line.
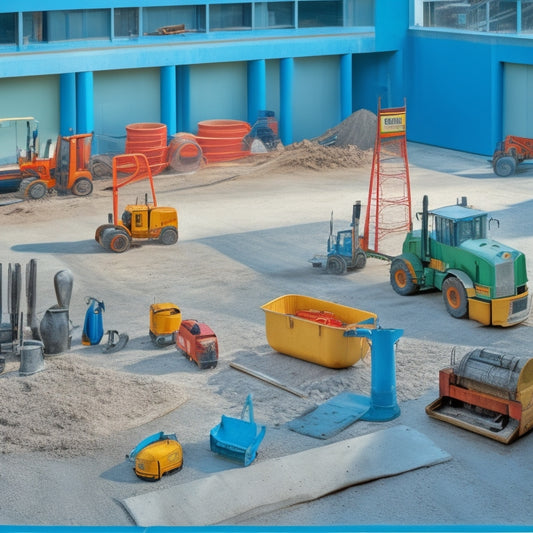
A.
pixel 312 62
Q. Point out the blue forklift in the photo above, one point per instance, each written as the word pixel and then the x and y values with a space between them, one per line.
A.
pixel 344 248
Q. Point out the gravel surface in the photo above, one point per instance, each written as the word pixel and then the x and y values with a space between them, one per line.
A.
pixel 247 230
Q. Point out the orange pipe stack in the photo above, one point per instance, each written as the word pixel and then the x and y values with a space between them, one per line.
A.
pixel 150 139
pixel 184 153
pixel 222 140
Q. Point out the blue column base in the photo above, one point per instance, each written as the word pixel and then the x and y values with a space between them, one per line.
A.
pixel 376 413
pixel 381 414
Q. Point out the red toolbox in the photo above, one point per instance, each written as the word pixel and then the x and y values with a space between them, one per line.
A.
pixel 197 341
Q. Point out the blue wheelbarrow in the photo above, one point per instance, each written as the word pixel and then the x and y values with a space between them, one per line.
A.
pixel 236 438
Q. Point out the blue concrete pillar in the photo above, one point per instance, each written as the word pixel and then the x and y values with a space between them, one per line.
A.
pixel 85 102
pixel 67 104
pixel 396 80
pixel 168 98
pixel 346 85
pixel 183 99
pixel 383 404
pixel 286 81
pixel 256 89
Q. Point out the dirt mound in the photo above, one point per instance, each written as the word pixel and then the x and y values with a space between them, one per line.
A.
pixel 308 155
pixel 313 156
pixel 359 129
pixel 70 406
pixel 348 145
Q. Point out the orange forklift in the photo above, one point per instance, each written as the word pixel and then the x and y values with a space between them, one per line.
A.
pixel 67 171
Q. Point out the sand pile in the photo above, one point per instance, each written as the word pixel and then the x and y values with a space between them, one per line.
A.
pixel 359 129
pixel 348 145
pixel 310 155
pixel 70 406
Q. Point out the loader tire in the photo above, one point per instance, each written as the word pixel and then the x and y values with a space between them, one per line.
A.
pixel 168 235
pixel 115 240
pixel 401 278
pixel 505 166
pixel 82 187
pixel 336 265
pixel 32 188
pixel 100 231
pixel 455 298
pixel 120 242
pixel 360 260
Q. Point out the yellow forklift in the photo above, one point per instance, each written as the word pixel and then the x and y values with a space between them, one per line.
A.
pixel 138 221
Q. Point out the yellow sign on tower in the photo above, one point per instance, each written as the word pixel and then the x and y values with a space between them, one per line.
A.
pixel 392 123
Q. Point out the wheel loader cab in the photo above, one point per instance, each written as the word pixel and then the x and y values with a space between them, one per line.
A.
pixel 456 224
pixel 343 244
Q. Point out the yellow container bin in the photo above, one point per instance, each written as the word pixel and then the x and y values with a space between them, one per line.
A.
pixel 165 321
pixel 308 340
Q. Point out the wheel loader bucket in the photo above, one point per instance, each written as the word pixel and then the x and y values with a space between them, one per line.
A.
pixel 238 439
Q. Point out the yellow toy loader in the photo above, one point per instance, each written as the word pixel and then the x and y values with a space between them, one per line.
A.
pixel 157 455
pixel 138 221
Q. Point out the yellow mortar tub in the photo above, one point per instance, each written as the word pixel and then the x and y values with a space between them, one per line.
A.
pixel 306 339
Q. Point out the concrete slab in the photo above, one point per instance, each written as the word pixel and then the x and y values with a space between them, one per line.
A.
pixel 284 481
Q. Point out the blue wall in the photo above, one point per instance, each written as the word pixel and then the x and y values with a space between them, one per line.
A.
pixel 218 91
pixel 454 87
pixel 123 97
pixel 375 77
pixel 453 82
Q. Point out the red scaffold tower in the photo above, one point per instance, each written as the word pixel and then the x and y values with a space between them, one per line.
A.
pixel 389 194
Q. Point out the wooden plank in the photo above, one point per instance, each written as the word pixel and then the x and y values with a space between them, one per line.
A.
pixel 268 379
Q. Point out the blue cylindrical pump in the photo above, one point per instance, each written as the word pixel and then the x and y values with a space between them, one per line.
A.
pixel 93 327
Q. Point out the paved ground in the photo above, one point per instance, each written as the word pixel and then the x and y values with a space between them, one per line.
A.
pixel 243 242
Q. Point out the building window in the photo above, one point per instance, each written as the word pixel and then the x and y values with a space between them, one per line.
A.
pixel 319 13
pixel 527 17
pixel 495 16
pixel 173 19
pixel 230 17
pixel 502 17
pixel 359 13
pixel 274 15
pixel 32 27
pixel 76 25
pixel 126 22
pixel 8 28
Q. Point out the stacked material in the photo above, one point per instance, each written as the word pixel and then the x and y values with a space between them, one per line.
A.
pixel 222 140
pixel 184 153
pixel 150 139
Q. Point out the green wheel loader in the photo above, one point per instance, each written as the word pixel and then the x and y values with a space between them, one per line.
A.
pixel 480 278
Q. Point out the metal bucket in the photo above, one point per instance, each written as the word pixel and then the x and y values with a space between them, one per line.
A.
pixel 31 357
